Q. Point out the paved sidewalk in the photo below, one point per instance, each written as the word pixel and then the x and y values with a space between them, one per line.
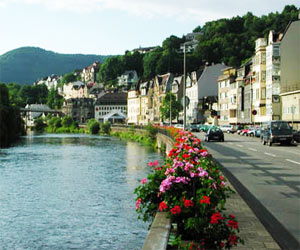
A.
pixel 252 231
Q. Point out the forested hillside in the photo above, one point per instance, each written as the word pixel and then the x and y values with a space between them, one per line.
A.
pixel 228 41
pixel 28 64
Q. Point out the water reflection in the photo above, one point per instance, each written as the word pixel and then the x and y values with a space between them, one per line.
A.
pixel 71 191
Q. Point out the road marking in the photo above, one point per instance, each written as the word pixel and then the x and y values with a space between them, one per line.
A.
pixel 253 149
pixel 270 154
pixel 293 161
pixel 230 143
pixel 241 146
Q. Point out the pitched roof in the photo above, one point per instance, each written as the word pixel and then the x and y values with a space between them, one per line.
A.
pixel 117 98
pixel 207 83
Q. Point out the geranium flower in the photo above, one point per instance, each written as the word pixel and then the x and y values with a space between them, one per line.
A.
pixel 205 199
pixel 138 203
pixel 215 218
pixel 176 210
pixel 233 224
pixel 232 239
pixel 162 206
pixel 143 181
pixel 188 203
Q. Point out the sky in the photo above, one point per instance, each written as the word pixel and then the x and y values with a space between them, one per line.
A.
pixel 110 27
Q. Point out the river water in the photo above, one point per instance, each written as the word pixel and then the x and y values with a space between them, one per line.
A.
pixel 71 192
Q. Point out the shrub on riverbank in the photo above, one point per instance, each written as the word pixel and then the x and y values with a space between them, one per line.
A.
pixel 132 136
pixel 93 126
pixel 62 125
pixel 191 189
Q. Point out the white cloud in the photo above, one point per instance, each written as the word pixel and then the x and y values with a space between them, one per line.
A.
pixel 199 10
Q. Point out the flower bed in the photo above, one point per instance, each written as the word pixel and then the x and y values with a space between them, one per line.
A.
pixel 193 192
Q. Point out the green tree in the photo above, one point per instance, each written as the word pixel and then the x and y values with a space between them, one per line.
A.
pixel 39 124
pixel 93 126
pixel 11 126
pixel 67 121
pixel 111 69
pixel 69 77
pixel 54 100
pixel 105 127
pixel 170 105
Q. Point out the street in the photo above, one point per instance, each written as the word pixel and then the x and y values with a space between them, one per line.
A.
pixel 268 178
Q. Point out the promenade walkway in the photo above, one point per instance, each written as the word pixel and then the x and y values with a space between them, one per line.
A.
pixel 253 232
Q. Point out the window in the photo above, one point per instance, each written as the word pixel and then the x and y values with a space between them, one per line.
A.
pixel 257 94
pixel 263 93
pixel 263 76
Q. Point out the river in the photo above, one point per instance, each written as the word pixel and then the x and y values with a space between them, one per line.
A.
pixel 61 191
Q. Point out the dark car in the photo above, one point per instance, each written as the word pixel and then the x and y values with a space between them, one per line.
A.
pixel 276 132
pixel 193 128
pixel 296 136
pixel 214 134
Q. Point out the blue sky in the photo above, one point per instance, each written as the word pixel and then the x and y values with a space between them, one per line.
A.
pixel 109 27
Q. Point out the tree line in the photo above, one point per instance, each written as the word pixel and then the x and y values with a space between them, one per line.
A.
pixel 229 41
pixel 11 126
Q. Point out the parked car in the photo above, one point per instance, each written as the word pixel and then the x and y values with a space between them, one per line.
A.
pixel 251 132
pixel 296 136
pixel 178 126
pixel 214 134
pixel 257 132
pixel 228 128
pixel 193 128
pixel 276 132
pixel 244 131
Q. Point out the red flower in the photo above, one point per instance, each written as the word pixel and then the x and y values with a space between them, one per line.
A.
pixel 231 216
pixel 222 244
pixel 221 178
pixel 188 203
pixel 215 218
pixel 232 239
pixel 233 224
pixel 176 210
pixel 185 155
pixel 205 200
pixel 162 206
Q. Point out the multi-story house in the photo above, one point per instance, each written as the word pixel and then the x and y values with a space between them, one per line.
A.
pixel 290 74
pixel 225 81
pixel 128 79
pixel 75 90
pixel 258 93
pixel 111 107
pixel 244 82
pixel 80 109
pixel 144 100
pixel 133 105
pixel 161 85
pixel 89 74
pixel 192 94
pixel 208 90
pixel 273 109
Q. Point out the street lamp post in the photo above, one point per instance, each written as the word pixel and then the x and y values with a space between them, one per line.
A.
pixel 184 98
pixel 170 109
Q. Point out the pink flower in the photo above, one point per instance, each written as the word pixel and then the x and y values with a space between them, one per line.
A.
pixel 138 203
pixel 143 181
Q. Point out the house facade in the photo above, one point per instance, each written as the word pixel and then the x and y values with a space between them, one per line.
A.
pixel 80 109
pixel 258 95
pixel 110 104
pixel 290 74
pixel 89 74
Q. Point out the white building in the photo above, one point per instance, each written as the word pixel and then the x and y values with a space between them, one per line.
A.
pixel 273 77
pixel 111 105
